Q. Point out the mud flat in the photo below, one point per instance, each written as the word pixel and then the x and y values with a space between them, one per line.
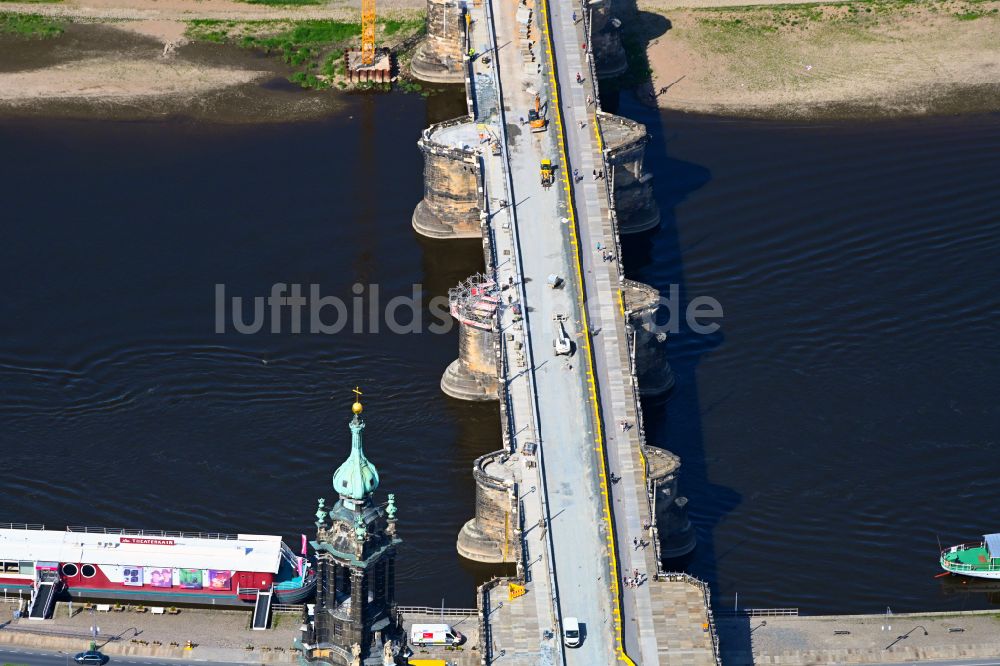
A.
pixel 871 57
pixel 104 71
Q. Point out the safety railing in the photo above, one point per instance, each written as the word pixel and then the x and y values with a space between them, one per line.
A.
pixel 436 612
pixel 288 608
pixel 151 533
pixel 485 631
pixel 757 612
pixel 21 526
pixel 707 599
pixel 989 564
pixel 993 565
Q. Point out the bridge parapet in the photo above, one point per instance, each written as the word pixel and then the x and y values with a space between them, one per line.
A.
pixel 647 340
pixel 606 38
pixel 624 149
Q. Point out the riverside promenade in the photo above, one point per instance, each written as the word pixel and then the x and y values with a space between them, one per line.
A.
pixel 968 637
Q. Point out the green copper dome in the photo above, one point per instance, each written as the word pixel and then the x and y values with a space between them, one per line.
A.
pixel 357 478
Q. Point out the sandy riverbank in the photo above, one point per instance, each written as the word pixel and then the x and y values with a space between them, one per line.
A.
pixel 137 58
pixel 225 10
pixel 109 72
pixel 867 57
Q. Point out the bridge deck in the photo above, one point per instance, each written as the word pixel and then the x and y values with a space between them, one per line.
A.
pixel 569 406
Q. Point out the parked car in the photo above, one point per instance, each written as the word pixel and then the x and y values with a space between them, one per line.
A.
pixel 91 658
pixel 434 634
pixel 571 632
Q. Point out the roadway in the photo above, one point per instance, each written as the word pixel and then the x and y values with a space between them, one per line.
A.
pixel 26 657
pixel 550 398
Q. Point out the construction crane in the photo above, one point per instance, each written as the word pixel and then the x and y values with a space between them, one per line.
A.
pixel 367 32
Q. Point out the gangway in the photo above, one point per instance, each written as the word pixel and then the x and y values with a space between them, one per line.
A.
pixel 42 600
pixel 262 610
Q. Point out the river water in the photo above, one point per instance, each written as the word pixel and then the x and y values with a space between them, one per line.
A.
pixel 842 418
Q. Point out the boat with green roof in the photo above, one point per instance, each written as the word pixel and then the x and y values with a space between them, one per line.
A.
pixel 979 559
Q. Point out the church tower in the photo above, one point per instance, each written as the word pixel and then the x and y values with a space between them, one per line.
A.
pixel 355 615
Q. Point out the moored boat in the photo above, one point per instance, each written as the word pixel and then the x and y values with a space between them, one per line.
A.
pixel 151 566
pixel 978 559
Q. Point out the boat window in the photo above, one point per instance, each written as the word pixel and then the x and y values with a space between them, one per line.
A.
pixel 69 570
pixel 26 568
pixel 9 567
pixel 88 570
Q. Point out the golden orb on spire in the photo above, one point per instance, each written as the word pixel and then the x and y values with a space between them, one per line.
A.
pixel 356 407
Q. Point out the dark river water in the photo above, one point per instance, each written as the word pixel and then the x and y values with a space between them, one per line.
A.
pixel 842 419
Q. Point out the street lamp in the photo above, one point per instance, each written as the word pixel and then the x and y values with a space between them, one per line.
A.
pixel 906 635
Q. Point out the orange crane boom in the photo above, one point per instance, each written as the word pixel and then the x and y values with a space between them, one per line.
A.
pixel 367 32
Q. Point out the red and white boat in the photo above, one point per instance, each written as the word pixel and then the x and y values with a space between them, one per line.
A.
pixel 150 566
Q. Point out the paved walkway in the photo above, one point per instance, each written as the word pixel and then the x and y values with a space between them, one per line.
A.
pixel 218 635
pixel 861 639
pixel 663 621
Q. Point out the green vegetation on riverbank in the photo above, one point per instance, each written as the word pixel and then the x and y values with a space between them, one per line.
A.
pixel 315 47
pixel 755 21
pixel 29 25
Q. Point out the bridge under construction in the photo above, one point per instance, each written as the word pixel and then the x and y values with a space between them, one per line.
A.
pixel 575 497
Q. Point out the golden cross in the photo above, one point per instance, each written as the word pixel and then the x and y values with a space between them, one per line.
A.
pixel 357 394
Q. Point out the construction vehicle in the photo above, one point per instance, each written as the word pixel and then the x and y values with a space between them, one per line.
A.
pixel 536 120
pixel 547 173
pixel 562 344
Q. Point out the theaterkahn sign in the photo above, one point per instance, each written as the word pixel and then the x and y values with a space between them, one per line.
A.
pixel 148 542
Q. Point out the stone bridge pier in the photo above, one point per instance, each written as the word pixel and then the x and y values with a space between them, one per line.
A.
pixel 473 375
pixel 452 181
pixel 625 147
pixel 642 304
pixel 439 57
pixel 493 534
pixel 672 527
pixel 606 40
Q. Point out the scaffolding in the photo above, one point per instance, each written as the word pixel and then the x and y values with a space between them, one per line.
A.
pixel 474 302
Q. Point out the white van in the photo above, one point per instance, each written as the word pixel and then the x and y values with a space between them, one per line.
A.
pixel 571 631
pixel 434 634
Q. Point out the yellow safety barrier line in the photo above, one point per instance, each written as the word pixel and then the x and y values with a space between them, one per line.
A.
pixel 578 265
